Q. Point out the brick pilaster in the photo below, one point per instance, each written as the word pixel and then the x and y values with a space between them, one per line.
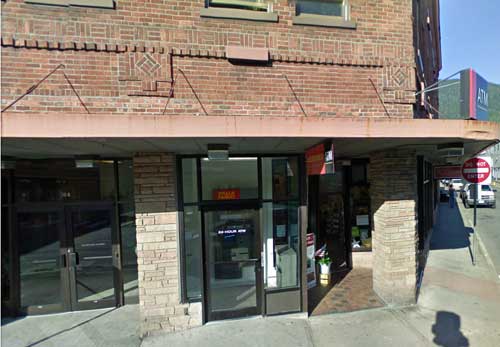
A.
pixel 393 189
pixel 157 246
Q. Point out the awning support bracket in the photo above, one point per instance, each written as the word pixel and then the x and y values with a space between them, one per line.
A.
pixel 36 85
pixel 380 98
pixel 171 93
pixel 295 95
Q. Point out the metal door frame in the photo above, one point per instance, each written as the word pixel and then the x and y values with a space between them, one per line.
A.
pixel 66 248
pixel 259 280
pixel 70 253
pixel 65 295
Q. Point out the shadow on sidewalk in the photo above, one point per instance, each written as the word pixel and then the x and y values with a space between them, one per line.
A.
pixel 447 332
pixel 450 231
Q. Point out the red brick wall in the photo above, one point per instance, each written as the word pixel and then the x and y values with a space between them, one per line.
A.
pixel 119 60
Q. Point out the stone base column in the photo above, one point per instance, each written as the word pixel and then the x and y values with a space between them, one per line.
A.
pixel 157 247
pixel 393 190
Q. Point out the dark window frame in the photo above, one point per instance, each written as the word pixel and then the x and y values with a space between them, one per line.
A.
pixel 12 305
pixel 209 203
pixel 325 20
pixel 98 4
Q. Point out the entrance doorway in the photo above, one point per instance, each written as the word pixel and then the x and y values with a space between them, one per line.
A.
pixel 68 236
pixel 66 258
pixel 233 267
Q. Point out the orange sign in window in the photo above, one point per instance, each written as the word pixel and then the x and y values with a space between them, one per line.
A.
pixel 226 194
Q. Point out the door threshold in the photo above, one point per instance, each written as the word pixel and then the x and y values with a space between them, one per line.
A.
pixel 69 312
pixel 220 321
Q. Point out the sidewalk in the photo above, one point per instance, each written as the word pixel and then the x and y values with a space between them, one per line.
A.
pixel 115 327
pixel 459 305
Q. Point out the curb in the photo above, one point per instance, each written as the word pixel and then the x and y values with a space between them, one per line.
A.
pixel 482 247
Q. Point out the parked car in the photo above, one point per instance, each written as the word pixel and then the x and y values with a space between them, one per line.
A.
pixel 486 196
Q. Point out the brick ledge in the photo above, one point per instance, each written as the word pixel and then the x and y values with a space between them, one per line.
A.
pixel 182 52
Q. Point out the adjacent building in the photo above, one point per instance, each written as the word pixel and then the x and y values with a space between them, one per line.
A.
pixel 191 156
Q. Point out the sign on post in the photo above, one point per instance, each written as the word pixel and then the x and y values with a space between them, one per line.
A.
pixel 477 170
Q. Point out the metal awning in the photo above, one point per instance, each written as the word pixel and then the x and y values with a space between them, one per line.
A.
pixel 33 135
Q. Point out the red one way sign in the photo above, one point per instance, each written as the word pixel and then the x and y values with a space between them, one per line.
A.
pixel 476 170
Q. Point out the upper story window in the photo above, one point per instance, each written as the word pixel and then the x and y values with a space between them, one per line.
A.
pixel 253 5
pixel 253 10
pixel 334 13
pixel 80 3
pixel 321 7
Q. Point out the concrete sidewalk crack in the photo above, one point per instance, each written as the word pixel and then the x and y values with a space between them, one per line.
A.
pixel 309 333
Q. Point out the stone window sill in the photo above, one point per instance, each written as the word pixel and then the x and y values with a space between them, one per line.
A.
pixel 229 13
pixel 323 21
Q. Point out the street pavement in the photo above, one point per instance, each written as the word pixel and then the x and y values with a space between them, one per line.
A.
pixel 488 229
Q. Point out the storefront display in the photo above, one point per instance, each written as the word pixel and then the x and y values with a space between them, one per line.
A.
pixel 360 212
pixel 250 234
pixel 311 262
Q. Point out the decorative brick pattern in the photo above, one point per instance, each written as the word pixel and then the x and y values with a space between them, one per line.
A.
pixel 119 60
pixel 393 190
pixel 157 247
pixel 145 73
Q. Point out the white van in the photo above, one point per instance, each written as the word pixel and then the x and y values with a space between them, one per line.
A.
pixel 486 195
pixel 457 183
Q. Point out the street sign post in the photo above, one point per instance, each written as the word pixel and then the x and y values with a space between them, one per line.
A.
pixel 476 171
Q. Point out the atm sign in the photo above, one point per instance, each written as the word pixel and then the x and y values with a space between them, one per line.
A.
pixel 226 194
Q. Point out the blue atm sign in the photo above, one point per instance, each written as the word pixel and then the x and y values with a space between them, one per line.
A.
pixel 474 95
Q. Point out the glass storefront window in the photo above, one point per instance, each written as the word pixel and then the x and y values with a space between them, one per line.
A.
pixel 233 179
pixel 277 220
pixel 192 251
pixel 360 208
pixel 58 180
pixel 5 189
pixel 106 171
pixel 189 180
pixel 39 258
pixel 125 180
pixel 280 178
pixel 5 253
pixel 281 242
pixel 129 252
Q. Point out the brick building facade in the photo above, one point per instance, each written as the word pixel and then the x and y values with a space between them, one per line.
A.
pixel 158 82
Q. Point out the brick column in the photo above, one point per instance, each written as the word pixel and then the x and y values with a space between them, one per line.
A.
pixel 157 246
pixel 393 190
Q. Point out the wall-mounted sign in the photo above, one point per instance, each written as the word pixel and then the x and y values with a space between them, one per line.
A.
pixel 448 171
pixel 226 194
pixel 473 95
pixel 477 170
pixel 320 159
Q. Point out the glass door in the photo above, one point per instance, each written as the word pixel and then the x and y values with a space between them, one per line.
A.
pixel 90 257
pixel 233 267
pixel 42 274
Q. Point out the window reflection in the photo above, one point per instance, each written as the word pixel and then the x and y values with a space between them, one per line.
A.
pixel 58 180
pixel 231 179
